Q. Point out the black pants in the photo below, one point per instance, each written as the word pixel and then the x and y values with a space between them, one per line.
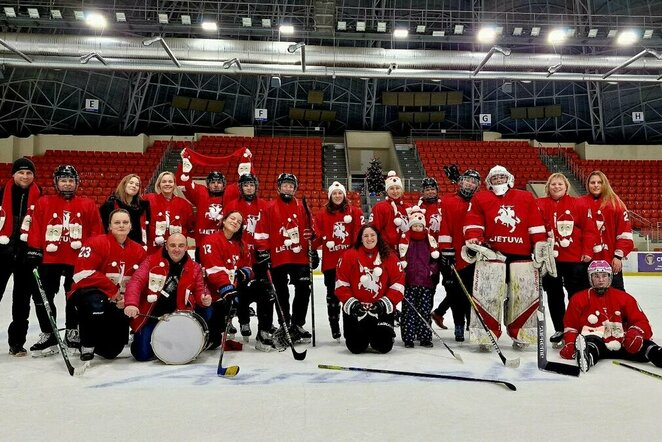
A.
pixel 572 276
pixel 299 277
pixel 455 298
pixel 24 287
pixel 261 292
pixel 50 275
pixel 376 332
pixel 332 303
pixel 617 281
pixel 102 325
pixel 596 347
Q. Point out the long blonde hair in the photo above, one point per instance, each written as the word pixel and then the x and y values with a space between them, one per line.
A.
pixel 607 194
pixel 157 185
pixel 120 192
pixel 555 176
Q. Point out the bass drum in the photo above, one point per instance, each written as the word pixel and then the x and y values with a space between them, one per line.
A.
pixel 179 337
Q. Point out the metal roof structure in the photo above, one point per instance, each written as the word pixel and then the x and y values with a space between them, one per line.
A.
pixel 150 53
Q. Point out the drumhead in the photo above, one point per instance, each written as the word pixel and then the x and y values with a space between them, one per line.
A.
pixel 179 338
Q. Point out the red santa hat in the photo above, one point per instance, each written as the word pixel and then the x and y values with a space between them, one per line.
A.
pixel 392 179
pixel 157 276
pixel 245 163
pixel 337 186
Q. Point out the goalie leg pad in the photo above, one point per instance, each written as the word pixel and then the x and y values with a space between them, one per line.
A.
pixel 489 292
pixel 523 300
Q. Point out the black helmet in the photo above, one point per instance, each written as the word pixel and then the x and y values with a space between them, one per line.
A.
pixel 246 179
pixel 215 176
pixel 65 171
pixel 287 178
pixel 428 181
pixel 469 174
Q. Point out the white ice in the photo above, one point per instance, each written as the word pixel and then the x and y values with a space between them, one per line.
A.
pixel 275 397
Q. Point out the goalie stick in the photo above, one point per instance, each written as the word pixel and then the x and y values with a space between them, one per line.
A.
pixel 419 375
pixel 299 356
pixel 73 371
pixel 640 370
pixel 232 370
pixel 512 363
pixel 543 363
pixel 456 356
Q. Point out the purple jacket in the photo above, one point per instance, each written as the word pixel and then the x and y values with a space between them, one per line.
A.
pixel 420 266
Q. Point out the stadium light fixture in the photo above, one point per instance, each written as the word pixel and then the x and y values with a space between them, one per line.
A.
pixel 341 26
pixel 487 35
pixel 56 14
pixel 10 12
pixel 163 19
pixel 648 33
pixel 400 33
pixel 33 13
pixel 627 38
pixel 360 26
pixel 458 30
pixel 209 26
pixel 186 19
pixel 611 33
pixel 592 33
pixel 80 15
pixel 438 33
pixel 420 29
pixel 557 36
pixel 266 22
pixel 535 31
pixel 381 26
pixel 517 31
pixel 246 22
pixel 286 29
pixel 95 20
pixel 120 17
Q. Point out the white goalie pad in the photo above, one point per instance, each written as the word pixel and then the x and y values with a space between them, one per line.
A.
pixel 489 292
pixel 543 257
pixel 523 299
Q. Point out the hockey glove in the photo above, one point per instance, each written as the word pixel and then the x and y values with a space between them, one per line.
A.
pixel 314 258
pixel 33 258
pixel 568 350
pixel 634 340
pixel 243 274
pixel 229 294
pixel 383 306
pixel 308 234
pixel 543 257
pixel 447 258
pixel 480 252
pixel 354 308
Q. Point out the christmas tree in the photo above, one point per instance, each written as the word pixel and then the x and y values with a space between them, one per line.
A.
pixel 375 177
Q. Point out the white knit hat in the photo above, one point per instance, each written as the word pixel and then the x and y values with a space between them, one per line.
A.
pixel 337 186
pixel 392 179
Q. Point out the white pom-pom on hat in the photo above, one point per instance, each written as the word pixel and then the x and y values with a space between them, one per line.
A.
pixel 347 219
pixel 592 319
pixel 135 267
pixel 54 215
pixel 330 244
pixel 184 178
pixel 151 298
pixel 397 221
pixel 162 264
pixel 435 254
pixel 113 264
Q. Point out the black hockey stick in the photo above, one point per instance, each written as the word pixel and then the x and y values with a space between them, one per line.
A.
pixel 299 356
pixel 232 370
pixel 310 249
pixel 512 363
pixel 543 363
pixel 456 356
pixel 640 370
pixel 419 375
pixel 78 371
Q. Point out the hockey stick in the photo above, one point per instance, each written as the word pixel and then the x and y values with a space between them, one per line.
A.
pixel 310 249
pixel 420 375
pixel 456 356
pixel 78 371
pixel 543 363
pixel 232 370
pixel 640 370
pixel 299 356
pixel 512 363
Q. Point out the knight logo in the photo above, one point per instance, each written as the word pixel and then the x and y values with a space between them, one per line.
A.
pixel 435 222
pixel 507 217
pixel 339 231
pixel 369 279
pixel 118 277
pixel 251 222
pixel 214 212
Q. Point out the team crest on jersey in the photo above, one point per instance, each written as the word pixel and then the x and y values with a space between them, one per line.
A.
pixel 507 217
pixel 369 279
pixel 214 212
pixel 435 222
pixel 251 222
pixel 339 231
pixel 565 225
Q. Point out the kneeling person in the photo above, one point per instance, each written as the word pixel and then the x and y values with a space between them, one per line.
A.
pixel 103 267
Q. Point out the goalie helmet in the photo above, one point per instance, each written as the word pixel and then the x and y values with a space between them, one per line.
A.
pixel 599 266
pixel 499 189
pixel 66 171
pixel 248 178
pixel 469 176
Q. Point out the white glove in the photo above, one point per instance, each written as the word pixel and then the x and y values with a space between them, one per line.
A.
pixel 543 258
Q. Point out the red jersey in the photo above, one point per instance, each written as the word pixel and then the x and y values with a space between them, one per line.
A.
pixel 251 213
pixel 451 236
pixel 221 258
pixel 510 223
pixel 209 209
pixel 384 215
pixel 106 265
pixel 614 227
pixel 336 232
pixel 433 216
pixel 60 226
pixel 168 216
pixel 569 220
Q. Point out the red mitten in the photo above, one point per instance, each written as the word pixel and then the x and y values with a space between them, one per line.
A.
pixel 634 340
pixel 568 351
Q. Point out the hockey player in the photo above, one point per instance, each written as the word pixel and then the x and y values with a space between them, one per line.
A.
pixel 370 285
pixel 336 226
pixel 104 265
pixel 389 216
pixel 167 280
pixel 281 239
pixel 251 207
pixel 605 322
pixel 507 221
pixel 568 222
pixel 169 212
pixel 209 202
pixel 60 225
pixel 451 240
pixel 225 258
pixel 613 223
pixel 17 196
pixel 127 197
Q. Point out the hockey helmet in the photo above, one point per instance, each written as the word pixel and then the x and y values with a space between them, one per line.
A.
pixel 599 266
pixel 65 171
pixel 215 176
pixel 499 189
pixel 469 176
pixel 287 178
pixel 248 178
pixel 428 181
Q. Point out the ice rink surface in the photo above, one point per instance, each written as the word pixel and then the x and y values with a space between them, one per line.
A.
pixel 277 398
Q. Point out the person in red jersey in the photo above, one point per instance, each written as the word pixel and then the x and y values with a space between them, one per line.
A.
pixel 370 285
pixel 209 202
pixel 613 223
pixel 60 225
pixel 568 221
pixel 336 227
pixel 103 267
pixel 605 322
pixel 169 212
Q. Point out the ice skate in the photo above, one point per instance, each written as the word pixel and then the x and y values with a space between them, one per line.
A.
pixel 519 345
pixel 17 351
pixel 459 333
pixel 556 339
pixel 426 344
pixel 46 346
pixel 264 342
pixel 300 335
pixel 72 338
pixel 245 331
pixel 335 328
pixel 86 353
